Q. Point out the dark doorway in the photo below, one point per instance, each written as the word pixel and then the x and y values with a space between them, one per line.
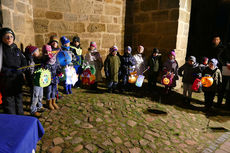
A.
pixel 208 18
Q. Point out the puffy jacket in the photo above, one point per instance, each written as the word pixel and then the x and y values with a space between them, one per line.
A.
pixel 111 67
pixel 11 79
pixel 127 63
pixel 189 72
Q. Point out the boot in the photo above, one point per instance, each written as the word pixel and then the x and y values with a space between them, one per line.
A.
pixel 49 103
pixel 54 104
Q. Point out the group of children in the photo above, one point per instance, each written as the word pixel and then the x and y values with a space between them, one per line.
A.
pixel 117 70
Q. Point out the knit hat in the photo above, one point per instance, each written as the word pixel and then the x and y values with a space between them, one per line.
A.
pixel 93 44
pixel 128 48
pixel 141 47
pixel 64 40
pixel 173 53
pixel 155 50
pixel 76 39
pixel 192 58
pixel 53 39
pixel 214 62
pixel 204 59
pixel 113 48
pixel 31 49
pixel 47 49
pixel 4 31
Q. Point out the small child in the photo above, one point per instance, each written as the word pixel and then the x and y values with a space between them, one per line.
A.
pixel 93 58
pixel 171 66
pixel 55 69
pixel 70 78
pixel 140 59
pixel 154 64
pixel 189 71
pixel 204 63
pixel 32 53
pixel 77 50
pixel 66 47
pixel 127 64
pixel 210 92
pixel 111 67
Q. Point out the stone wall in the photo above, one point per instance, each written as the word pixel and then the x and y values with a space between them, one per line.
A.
pixel 101 21
pixel 18 15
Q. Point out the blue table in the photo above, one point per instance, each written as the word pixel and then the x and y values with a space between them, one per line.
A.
pixel 19 134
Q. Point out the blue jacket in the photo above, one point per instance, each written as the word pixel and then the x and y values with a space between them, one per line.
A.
pixel 127 62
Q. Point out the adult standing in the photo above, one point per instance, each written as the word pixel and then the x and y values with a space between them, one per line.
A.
pixel 11 79
pixel 224 59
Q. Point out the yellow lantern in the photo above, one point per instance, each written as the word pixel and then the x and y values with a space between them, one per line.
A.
pixel 166 81
pixel 133 77
pixel 207 81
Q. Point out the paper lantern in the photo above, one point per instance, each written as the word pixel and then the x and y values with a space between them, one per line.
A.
pixel 166 81
pixel 133 77
pixel 140 80
pixel 42 78
pixel 207 81
pixel 64 58
pixel 0 98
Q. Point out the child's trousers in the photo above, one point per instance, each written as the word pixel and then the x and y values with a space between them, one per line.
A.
pixel 36 99
pixel 51 91
pixel 208 98
pixel 187 88
pixel 68 88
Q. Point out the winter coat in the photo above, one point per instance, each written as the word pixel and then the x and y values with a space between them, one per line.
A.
pixel 217 79
pixel 11 79
pixel 155 64
pixel 55 70
pixel 172 67
pixel 111 67
pixel 215 52
pixel 127 64
pixel 189 72
pixel 141 63
pixel 93 58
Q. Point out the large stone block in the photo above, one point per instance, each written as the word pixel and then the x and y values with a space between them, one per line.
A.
pixel 54 15
pixel 106 19
pixel 84 45
pixel 41 25
pixel 70 17
pixel 61 26
pixel 39 40
pixel 160 15
pixel 184 16
pixel 98 8
pixel 108 40
pixel 186 29
pixel 95 18
pixel 40 3
pixel 8 3
pixel 91 35
pixel 141 18
pixel 21 7
pixel 174 14
pixel 28 40
pixel 29 10
pixel 38 13
pixel 113 28
pixel 112 10
pixel 83 18
pixel 7 22
pixel 82 7
pixel 79 27
pixel 19 23
pixel 168 41
pixel 167 27
pixel 148 28
pixel 149 40
pixel 108 1
pixel 60 5
pixel 167 4
pixel 96 27
pixel 149 5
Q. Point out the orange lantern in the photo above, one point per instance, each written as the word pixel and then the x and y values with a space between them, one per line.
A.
pixel 133 77
pixel 166 81
pixel 207 81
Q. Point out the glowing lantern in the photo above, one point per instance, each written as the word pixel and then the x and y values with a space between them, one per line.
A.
pixel 207 81
pixel 166 81
pixel 133 77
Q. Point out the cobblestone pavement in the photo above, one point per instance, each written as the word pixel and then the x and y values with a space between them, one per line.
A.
pixel 140 121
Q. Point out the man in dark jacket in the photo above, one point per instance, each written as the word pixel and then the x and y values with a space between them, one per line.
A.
pixel 224 59
pixel 11 78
